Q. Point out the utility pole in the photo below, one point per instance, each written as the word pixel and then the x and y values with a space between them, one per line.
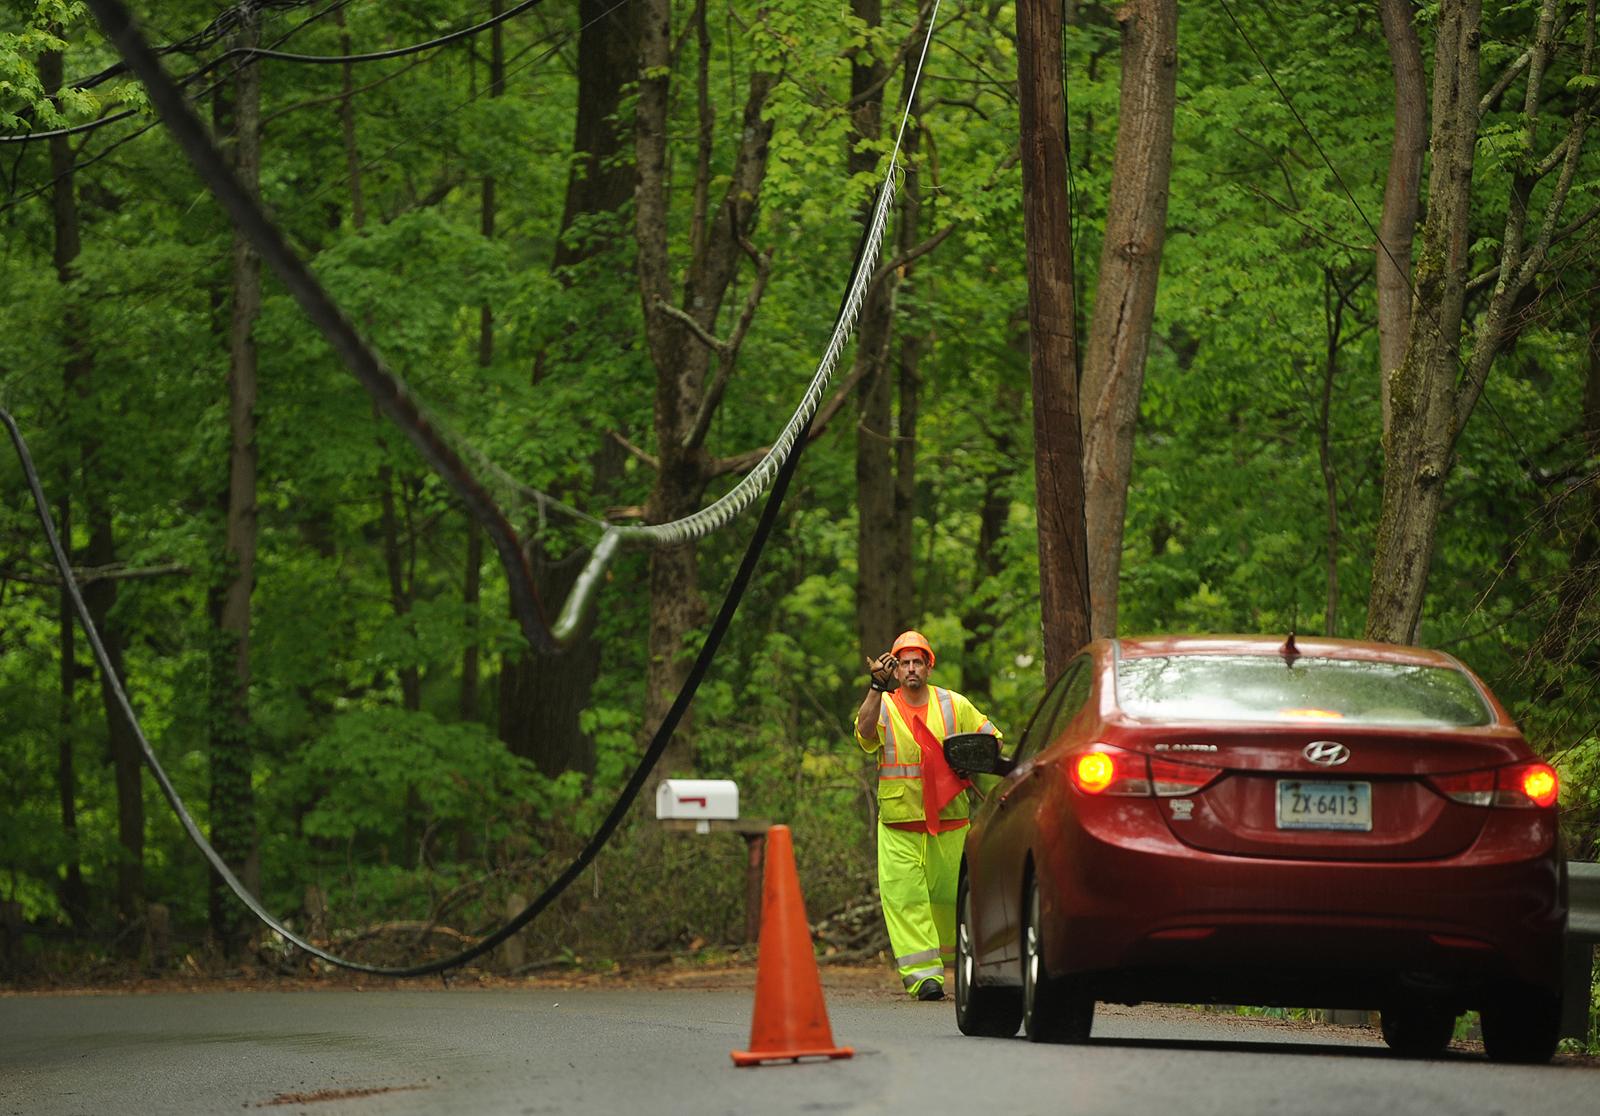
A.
pixel 1053 348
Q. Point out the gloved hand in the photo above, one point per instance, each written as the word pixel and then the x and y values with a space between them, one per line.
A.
pixel 883 674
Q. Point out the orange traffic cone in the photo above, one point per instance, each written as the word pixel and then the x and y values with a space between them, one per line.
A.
pixel 791 1021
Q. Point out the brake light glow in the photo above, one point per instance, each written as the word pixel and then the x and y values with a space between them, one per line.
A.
pixel 1538 782
pixel 1315 714
pixel 1116 772
pixel 1092 772
pixel 1524 785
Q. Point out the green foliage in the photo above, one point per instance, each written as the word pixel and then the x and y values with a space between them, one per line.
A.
pixel 24 103
pixel 422 812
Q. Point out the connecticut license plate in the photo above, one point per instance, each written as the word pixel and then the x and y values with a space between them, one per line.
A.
pixel 1318 804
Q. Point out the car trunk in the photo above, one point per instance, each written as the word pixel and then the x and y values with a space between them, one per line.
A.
pixel 1271 800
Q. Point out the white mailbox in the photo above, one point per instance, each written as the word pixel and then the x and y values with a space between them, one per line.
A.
pixel 700 800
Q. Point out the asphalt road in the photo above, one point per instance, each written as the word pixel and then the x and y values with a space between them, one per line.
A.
pixel 531 1050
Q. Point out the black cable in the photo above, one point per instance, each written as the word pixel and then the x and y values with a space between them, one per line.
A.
pixel 555 41
pixel 252 54
pixel 208 35
pixel 630 792
pixel 658 743
pixel 79 164
pixel 120 31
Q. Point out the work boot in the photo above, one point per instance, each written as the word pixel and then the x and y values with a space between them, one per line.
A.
pixel 930 990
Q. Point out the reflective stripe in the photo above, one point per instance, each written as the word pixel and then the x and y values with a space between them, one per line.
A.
pixel 989 728
pixel 912 979
pixel 948 709
pixel 900 771
pixel 891 753
pixel 913 958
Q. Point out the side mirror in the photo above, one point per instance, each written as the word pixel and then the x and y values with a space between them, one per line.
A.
pixel 977 753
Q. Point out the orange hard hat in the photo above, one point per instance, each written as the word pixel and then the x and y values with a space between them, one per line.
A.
pixel 912 639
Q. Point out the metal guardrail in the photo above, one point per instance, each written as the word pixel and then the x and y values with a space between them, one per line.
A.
pixel 1583 934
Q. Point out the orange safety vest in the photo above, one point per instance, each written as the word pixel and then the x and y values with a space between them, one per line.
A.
pixel 900 757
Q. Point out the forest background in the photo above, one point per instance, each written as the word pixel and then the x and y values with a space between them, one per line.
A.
pixel 319 643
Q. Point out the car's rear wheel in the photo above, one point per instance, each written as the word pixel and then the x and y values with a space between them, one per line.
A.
pixel 1521 1025
pixel 980 1011
pixel 1054 1009
pixel 1418 1029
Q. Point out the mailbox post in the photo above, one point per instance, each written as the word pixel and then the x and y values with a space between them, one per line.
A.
pixel 708 805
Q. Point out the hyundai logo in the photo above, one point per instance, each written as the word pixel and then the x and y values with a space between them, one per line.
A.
pixel 1329 753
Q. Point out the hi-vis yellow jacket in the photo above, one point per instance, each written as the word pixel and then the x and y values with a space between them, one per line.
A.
pixel 900 759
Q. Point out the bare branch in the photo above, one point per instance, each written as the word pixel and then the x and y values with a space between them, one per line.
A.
pixel 701 333
pixel 1577 226
pixel 707 124
pixel 634 450
pixel 728 353
pixel 85 575
pixel 1518 271
pixel 1503 82
pixel 743 462
pixel 911 255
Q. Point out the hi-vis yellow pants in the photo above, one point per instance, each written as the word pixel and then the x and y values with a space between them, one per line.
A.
pixel 917 877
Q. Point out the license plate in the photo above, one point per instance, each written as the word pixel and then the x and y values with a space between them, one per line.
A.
pixel 1324 805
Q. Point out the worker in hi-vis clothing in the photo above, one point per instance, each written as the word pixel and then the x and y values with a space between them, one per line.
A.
pixel 922 807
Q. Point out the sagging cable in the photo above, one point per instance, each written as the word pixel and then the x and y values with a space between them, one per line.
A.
pixel 658 743
pixel 395 401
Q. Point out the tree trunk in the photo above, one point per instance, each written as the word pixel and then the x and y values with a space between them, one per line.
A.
pixel 600 181
pixel 233 829
pixel 878 613
pixel 100 595
pixel 1435 391
pixel 912 346
pixel 399 558
pixel 543 696
pixel 73 893
pixel 1334 300
pixel 981 619
pixel 1125 298
pixel 1058 441
pixel 1422 397
pixel 539 719
pixel 683 400
pixel 347 126
pixel 127 760
pixel 473 582
pixel 1398 225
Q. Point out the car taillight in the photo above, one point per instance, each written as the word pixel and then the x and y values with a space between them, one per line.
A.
pixel 1523 784
pixel 1171 779
pixel 1093 772
pixel 1528 784
pixel 1475 788
pixel 1106 769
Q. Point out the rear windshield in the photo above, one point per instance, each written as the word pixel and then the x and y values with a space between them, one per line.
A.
pixel 1271 688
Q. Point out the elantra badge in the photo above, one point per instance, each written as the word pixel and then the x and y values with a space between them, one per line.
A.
pixel 1329 753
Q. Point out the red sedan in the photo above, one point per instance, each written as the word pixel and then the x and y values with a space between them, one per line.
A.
pixel 1256 820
